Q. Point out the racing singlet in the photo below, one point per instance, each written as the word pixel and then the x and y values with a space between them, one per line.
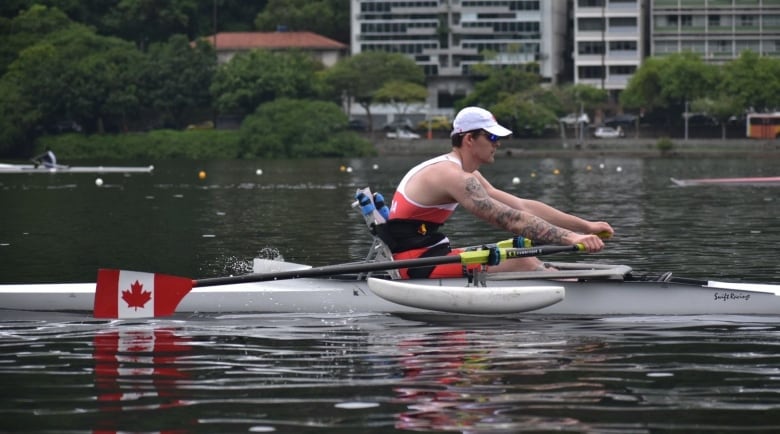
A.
pixel 414 228
pixel 405 208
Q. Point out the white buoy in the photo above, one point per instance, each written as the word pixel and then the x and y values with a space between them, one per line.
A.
pixel 349 169
pixel 98 182
pixel 375 166
pixel 515 180
pixel 619 169
pixel 259 172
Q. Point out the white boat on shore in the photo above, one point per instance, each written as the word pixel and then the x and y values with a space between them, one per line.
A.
pixel 747 181
pixel 31 168
pixel 577 289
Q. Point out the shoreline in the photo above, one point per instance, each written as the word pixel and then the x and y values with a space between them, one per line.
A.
pixel 597 147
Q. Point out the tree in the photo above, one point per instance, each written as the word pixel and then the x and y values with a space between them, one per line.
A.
pixel 299 128
pixel 359 77
pixel 401 94
pixel 29 28
pixel 97 85
pixel 644 88
pixel 669 83
pixel 753 81
pixel 722 107
pixel 148 21
pixel 524 113
pixel 686 77
pixel 325 17
pixel 499 82
pixel 176 79
pixel 253 78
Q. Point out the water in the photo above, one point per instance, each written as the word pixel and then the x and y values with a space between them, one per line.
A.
pixel 66 372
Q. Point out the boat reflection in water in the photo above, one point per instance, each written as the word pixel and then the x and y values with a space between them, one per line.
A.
pixel 452 382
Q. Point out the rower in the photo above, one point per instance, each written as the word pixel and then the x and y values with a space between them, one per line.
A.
pixel 48 159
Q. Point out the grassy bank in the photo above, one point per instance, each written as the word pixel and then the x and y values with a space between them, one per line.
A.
pixel 155 145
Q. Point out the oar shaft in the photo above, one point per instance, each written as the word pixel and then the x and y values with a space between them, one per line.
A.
pixel 472 257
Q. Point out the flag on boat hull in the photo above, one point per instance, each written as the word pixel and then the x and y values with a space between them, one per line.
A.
pixel 133 294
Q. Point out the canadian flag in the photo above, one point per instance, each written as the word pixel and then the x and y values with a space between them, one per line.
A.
pixel 133 294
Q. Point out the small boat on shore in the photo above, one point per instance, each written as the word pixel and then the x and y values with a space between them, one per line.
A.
pixel 31 168
pixel 767 180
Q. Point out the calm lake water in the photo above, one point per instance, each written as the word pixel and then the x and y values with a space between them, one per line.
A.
pixel 381 373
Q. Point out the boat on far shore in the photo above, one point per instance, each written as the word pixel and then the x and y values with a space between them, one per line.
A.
pixel 765 180
pixel 31 168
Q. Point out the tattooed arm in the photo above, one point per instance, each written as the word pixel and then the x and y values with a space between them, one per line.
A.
pixel 544 211
pixel 475 199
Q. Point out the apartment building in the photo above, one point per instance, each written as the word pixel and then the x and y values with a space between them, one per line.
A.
pixel 447 37
pixel 717 30
pixel 608 42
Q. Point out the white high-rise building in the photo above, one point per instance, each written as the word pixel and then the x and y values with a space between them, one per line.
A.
pixel 717 30
pixel 447 37
pixel 608 42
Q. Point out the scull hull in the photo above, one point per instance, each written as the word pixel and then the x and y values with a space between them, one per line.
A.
pixel 29 168
pixel 339 295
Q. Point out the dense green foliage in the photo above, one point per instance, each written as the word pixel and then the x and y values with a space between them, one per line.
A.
pixel 297 128
pixel 360 77
pixel 253 78
pixel 135 70
pixel 667 84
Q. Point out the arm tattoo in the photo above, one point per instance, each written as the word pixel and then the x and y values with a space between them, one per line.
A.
pixel 510 219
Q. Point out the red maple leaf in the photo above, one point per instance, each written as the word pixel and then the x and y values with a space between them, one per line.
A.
pixel 136 297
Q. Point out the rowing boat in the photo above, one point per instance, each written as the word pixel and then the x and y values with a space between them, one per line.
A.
pixel 30 168
pixel 576 289
pixel 767 180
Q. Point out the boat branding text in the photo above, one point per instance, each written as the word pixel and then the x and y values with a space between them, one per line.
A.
pixel 728 296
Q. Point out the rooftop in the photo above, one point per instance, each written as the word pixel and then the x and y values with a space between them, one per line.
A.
pixel 274 40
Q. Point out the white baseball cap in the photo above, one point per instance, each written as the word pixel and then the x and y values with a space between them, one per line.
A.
pixel 475 118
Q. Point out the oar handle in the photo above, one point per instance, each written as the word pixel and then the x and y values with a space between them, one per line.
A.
pixel 523 242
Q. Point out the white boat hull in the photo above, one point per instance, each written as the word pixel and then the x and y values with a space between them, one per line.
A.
pixel 29 168
pixel 323 295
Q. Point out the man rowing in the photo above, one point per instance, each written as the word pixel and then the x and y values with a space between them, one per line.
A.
pixel 429 193
pixel 48 159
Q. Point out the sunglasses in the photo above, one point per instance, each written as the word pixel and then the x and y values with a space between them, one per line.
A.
pixel 492 137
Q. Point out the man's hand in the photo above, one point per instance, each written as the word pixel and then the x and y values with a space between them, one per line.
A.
pixel 602 229
pixel 591 242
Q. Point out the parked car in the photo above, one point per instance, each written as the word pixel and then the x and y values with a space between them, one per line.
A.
pixel 624 120
pixel 357 125
pixel 402 134
pixel 608 132
pixel 405 124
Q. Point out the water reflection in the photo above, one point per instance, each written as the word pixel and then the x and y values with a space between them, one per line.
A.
pixel 461 381
pixel 139 369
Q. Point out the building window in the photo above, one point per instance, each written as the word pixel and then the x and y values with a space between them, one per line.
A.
pixel 622 22
pixel 622 69
pixel 590 24
pixel 622 46
pixel 748 20
pixel 713 20
pixel 585 72
pixel 590 47
pixel 590 3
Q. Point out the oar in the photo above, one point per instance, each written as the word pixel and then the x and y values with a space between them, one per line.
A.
pixel 132 294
